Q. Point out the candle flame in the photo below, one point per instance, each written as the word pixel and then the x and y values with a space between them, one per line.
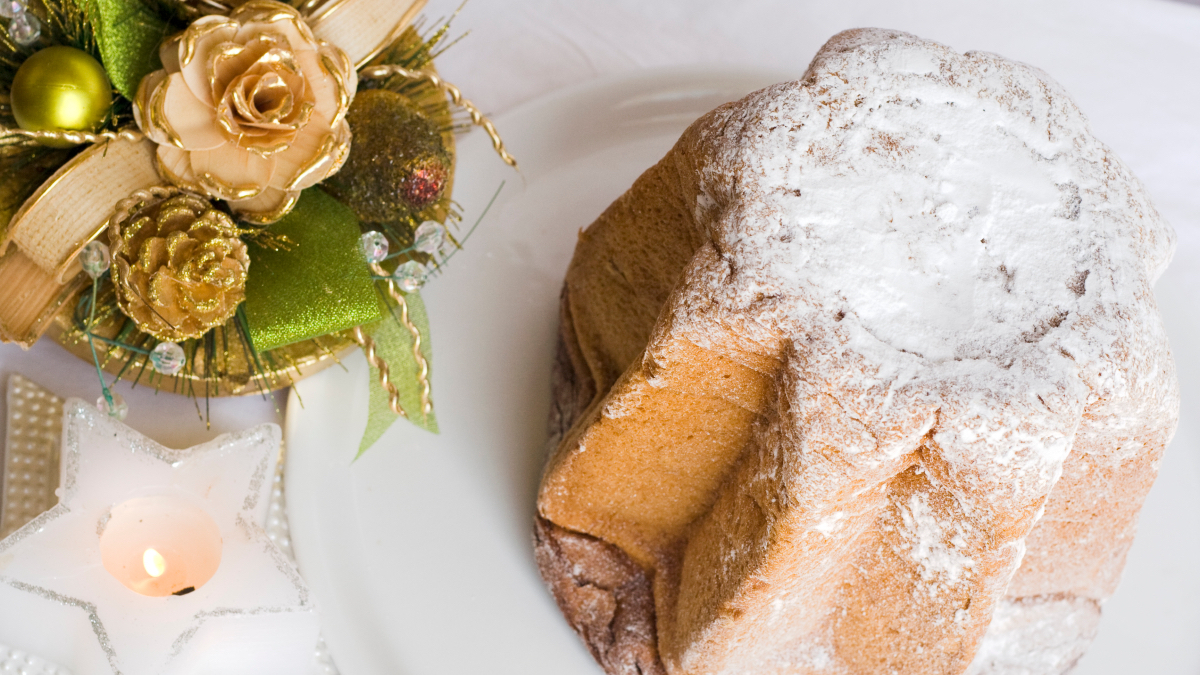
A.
pixel 154 563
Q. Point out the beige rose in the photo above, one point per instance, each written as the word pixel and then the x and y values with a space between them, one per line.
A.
pixel 249 108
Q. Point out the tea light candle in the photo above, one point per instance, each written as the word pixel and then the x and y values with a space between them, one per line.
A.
pixel 154 561
pixel 160 546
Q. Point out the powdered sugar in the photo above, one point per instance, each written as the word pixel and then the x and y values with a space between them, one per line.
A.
pixel 944 281
pixel 961 276
pixel 950 220
pixel 935 545
pixel 830 523
pixel 1036 635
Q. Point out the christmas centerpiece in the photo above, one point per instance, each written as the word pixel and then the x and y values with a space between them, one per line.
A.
pixel 219 197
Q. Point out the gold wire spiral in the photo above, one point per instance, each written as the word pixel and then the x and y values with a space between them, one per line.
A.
pixel 385 380
pixel 477 117
pixel 74 137
pixel 422 364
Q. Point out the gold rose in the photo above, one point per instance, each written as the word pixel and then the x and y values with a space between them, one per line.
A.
pixel 249 108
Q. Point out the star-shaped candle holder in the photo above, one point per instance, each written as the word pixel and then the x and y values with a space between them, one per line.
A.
pixel 155 562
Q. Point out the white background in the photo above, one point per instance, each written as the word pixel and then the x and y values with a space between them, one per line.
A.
pixel 1144 101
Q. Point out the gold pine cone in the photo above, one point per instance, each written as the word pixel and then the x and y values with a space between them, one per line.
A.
pixel 179 267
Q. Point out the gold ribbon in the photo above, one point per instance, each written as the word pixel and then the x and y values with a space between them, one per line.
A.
pixel 29 298
pixel 39 270
pixel 363 28
pixel 73 207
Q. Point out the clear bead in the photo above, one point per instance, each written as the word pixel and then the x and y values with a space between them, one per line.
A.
pixel 119 409
pixel 11 9
pixel 429 237
pixel 410 276
pixel 25 29
pixel 95 259
pixel 168 358
pixel 374 247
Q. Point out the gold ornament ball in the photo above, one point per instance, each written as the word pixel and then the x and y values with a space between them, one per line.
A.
pixel 60 88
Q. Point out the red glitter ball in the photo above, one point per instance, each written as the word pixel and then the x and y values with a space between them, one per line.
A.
pixel 424 186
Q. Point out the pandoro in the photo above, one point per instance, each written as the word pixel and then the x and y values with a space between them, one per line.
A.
pixel 865 376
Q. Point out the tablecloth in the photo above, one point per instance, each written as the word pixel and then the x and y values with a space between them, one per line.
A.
pixel 1136 78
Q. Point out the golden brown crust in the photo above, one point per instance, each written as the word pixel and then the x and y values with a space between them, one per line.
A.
pixel 604 596
pixel 602 593
pixel 809 481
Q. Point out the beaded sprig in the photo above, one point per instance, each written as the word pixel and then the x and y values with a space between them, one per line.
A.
pixel 25 28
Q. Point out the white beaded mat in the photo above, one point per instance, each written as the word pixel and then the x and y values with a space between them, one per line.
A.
pixel 16 662
pixel 31 473
pixel 31 458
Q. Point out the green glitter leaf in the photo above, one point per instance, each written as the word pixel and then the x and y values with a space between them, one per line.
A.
pixel 129 35
pixel 321 286
pixel 393 343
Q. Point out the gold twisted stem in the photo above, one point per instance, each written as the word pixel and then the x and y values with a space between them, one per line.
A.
pixel 368 345
pixel 478 118
pixel 422 364
pixel 75 137
pixel 307 7
pixel 139 198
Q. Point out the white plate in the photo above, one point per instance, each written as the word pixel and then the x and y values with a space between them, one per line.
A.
pixel 419 554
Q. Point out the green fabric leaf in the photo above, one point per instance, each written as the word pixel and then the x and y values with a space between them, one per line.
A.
pixel 321 286
pixel 393 343
pixel 129 35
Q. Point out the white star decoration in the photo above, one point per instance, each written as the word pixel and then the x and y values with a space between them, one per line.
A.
pixel 254 616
